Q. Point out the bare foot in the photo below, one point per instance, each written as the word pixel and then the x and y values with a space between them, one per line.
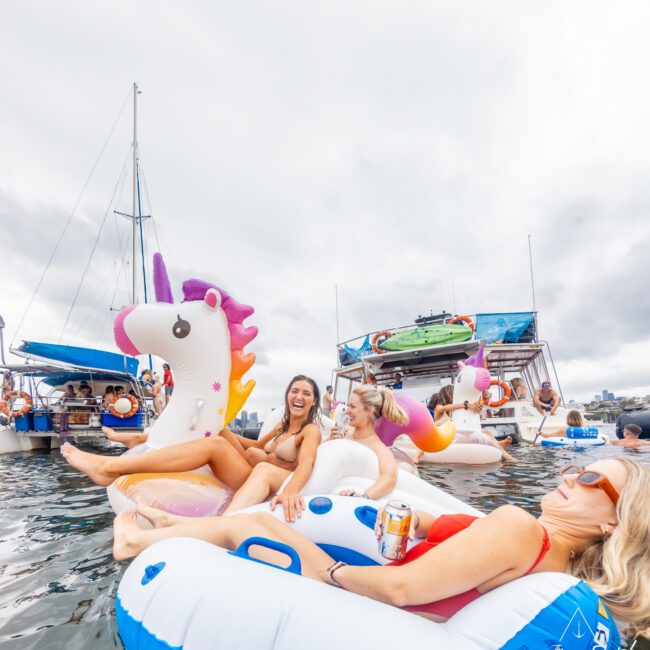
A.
pixel 127 536
pixel 506 442
pixel 129 440
pixel 90 464
pixel 158 518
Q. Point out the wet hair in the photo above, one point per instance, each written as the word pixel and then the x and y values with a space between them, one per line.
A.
pixel 314 411
pixel 381 403
pixel 617 567
pixel 433 401
pixel 575 419
pixel 633 429
pixel 446 395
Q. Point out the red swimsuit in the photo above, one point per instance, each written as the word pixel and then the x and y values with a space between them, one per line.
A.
pixel 443 528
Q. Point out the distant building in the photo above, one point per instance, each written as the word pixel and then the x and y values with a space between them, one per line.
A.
pixel 610 397
pixel 252 420
pixel 605 396
pixel 596 398
pixel 244 419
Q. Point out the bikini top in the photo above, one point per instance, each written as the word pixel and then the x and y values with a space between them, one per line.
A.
pixel 285 450
pixel 443 528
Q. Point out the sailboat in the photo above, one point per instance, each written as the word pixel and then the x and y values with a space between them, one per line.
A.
pixel 34 410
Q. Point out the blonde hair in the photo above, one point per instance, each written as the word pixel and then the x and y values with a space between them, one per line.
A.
pixel 519 389
pixel 381 403
pixel 575 419
pixel 618 567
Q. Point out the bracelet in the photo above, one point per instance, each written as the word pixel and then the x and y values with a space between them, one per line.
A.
pixel 329 574
pixel 465 403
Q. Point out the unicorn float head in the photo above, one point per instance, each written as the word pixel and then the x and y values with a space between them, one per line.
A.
pixel 469 385
pixel 202 338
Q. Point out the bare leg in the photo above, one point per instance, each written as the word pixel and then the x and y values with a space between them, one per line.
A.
pixel 265 479
pixel 228 435
pixel 227 532
pixel 256 456
pixel 226 464
pixel 128 439
pixel 160 518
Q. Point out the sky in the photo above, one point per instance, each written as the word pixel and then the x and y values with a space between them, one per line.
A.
pixel 400 151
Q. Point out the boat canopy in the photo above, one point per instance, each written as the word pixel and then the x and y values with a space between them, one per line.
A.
pixel 510 327
pixel 77 358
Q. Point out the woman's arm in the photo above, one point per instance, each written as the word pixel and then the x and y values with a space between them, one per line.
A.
pixel 506 541
pixel 290 496
pixel 560 433
pixel 387 473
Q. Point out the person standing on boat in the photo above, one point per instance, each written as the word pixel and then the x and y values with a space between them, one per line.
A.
pixel 546 400
pixel 70 393
pixel 328 400
pixel 154 388
pixel 168 382
pixel 397 384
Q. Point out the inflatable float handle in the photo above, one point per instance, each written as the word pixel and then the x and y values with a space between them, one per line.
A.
pixel 242 552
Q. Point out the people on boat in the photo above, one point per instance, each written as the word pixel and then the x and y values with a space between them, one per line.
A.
pixel 573 419
pixel 290 446
pixel 108 396
pixel 397 383
pixel 594 525
pixel 154 388
pixel 631 434
pixel 70 393
pixel 519 390
pixel 546 400
pixel 168 382
pixel 328 400
pixel 8 383
pixel 85 394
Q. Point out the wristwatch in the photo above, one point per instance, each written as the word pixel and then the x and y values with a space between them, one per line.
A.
pixel 329 574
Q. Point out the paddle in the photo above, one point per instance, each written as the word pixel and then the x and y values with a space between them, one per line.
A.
pixel 539 430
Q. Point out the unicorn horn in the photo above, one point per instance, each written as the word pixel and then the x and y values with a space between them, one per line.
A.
pixel 479 357
pixel 161 282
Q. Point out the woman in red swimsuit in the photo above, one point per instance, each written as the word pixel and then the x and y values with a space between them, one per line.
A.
pixel 595 525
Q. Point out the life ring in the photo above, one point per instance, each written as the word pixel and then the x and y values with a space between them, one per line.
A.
pixel 507 391
pixel 386 334
pixel 4 407
pixel 466 319
pixel 370 378
pixel 134 406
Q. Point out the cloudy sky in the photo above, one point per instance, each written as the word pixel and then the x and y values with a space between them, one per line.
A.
pixel 402 151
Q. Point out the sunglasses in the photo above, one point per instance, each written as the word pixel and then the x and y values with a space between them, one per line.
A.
pixel 591 478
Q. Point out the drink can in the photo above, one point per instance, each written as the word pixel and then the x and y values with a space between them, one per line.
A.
pixel 395 526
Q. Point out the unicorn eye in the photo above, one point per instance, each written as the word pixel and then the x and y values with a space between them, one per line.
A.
pixel 181 328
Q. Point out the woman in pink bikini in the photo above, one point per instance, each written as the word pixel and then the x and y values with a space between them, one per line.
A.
pixel 595 525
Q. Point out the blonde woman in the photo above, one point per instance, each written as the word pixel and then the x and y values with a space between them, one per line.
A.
pixel 519 390
pixel 594 525
pixel 573 419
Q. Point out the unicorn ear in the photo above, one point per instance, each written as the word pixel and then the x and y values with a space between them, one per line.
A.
pixel 212 299
pixel 461 364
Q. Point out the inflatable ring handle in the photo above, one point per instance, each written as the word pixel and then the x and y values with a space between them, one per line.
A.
pixel 4 408
pixel 466 319
pixel 386 334
pixel 505 387
pixel 242 552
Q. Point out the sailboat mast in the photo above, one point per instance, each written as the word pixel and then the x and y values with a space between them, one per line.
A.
pixel 135 189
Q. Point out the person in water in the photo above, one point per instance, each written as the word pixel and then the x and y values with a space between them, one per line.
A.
pixel 573 419
pixel 594 525
pixel 366 405
pixel 631 433
pixel 546 400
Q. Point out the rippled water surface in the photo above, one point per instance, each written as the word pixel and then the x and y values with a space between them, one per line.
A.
pixel 58 579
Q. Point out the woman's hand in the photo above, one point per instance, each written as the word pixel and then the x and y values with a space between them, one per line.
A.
pixel 475 407
pixel 349 492
pixel 292 503
pixel 335 434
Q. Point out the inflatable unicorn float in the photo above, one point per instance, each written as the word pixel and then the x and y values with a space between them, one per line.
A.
pixel 186 593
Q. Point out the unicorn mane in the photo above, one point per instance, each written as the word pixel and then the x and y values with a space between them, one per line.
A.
pixel 240 336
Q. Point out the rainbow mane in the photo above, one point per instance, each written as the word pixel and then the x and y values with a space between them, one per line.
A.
pixel 240 335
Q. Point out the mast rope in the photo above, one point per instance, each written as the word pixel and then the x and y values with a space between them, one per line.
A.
pixel 69 219
pixel 94 247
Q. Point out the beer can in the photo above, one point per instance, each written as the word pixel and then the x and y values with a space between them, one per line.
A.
pixel 395 526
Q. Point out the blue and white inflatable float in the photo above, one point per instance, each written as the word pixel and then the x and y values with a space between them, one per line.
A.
pixel 185 593
pixel 577 437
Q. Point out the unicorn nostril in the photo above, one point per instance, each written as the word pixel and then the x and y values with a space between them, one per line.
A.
pixel 181 328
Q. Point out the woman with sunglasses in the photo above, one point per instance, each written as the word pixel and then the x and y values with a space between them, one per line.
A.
pixel 595 525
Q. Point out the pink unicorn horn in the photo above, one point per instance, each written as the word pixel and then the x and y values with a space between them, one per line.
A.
pixel 476 360
pixel 161 282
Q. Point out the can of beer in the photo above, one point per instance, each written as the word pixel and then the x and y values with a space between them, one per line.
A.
pixel 395 526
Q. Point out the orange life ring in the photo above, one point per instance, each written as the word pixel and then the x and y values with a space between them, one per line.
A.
pixel 466 319
pixel 135 406
pixel 4 407
pixel 386 334
pixel 370 378
pixel 505 387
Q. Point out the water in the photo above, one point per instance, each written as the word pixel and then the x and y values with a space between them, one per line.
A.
pixel 58 578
